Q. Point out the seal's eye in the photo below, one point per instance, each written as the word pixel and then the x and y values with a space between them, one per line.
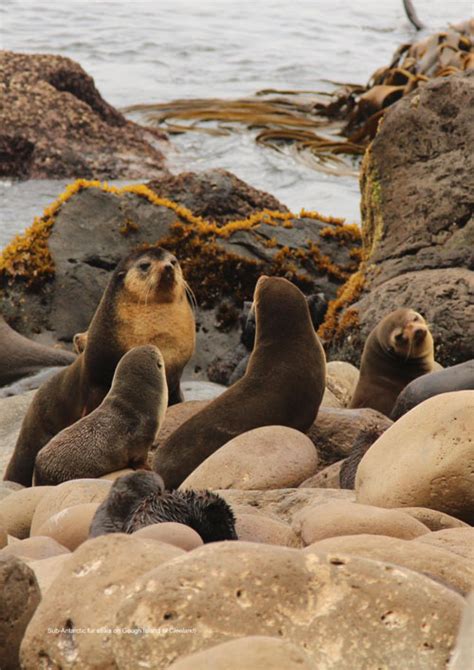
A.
pixel 400 338
pixel 144 266
pixel 173 261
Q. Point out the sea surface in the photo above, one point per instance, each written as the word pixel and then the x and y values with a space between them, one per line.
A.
pixel 144 52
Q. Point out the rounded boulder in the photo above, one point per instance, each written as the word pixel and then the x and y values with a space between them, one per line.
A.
pixel 70 527
pixel 426 459
pixel 270 457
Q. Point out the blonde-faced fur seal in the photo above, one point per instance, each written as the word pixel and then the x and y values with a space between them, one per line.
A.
pixel 399 349
pixel 283 385
pixel 119 432
pixel 145 302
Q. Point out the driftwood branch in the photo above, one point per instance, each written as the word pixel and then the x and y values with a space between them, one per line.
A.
pixel 411 13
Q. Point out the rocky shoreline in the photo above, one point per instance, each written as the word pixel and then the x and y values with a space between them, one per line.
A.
pixel 321 576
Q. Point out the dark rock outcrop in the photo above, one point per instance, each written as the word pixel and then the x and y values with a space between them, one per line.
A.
pixel 417 187
pixel 53 277
pixel 54 123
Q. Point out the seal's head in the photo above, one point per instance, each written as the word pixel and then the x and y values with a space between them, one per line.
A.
pixel 136 486
pixel 405 334
pixel 280 308
pixel 141 373
pixel 152 275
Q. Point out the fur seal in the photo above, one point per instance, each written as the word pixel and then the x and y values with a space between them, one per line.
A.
pixel 119 432
pixel 349 465
pixel 21 357
pixel 456 378
pixel 399 349
pixel 283 385
pixel 145 302
pixel 139 499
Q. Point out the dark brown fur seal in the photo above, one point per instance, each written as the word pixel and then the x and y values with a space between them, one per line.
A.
pixel 144 303
pixel 456 378
pixel 139 499
pixel 21 357
pixel 283 385
pixel 119 432
pixel 399 349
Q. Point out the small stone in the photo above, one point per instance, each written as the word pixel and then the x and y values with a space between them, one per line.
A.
pixel 317 522
pixel 19 507
pixel 112 476
pixel 67 494
pixel 328 478
pixel 70 527
pixel 341 379
pixel 34 548
pixel 258 528
pixel 433 519
pixel 270 457
pixel 173 533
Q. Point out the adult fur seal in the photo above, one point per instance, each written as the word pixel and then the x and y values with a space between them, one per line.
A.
pixel 283 385
pixel 139 499
pixel 119 432
pixel 399 349
pixel 456 378
pixel 145 302
pixel 21 357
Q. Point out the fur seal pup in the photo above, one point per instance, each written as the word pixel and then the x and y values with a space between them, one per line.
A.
pixel 456 378
pixel 119 432
pixel 21 357
pixel 145 302
pixel 139 499
pixel 283 385
pixel 399 349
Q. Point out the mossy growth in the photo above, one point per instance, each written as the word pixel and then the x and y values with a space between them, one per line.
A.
pixel 339 315
pixel 371 204
pixel 212 271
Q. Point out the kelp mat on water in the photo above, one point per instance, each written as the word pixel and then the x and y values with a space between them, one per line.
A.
pixel 323 129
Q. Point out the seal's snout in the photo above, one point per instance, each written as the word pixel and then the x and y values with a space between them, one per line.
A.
pixel 419 334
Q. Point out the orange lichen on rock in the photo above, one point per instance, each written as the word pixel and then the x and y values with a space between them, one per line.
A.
pixel 212 269
pixel 347 294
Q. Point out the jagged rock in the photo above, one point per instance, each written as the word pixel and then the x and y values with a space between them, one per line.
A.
pixel 94 228
pixel 56 124
pixel 417 188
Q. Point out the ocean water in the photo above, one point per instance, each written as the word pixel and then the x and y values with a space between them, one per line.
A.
pixel 143 52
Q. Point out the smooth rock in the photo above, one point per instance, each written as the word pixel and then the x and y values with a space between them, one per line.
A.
pixel 177 415
pixel 435 562
pixel 341 380
pixel 270 457
pixel 34 548
pixel 256 652
pixel 336 430
pixel 458 540
pixel 19 598
pixel 330 400
pixel 70 527
pixel 3 535
pixel 433 519
pixel 173 533
pixel 461 658
pixel 282 504
pixel 47 569
pixel 112 476
pixel 258 528
pixel 328 478
pixel 86 594
pixel 19 507
pixel 337 608
pixel 317 522
pixel 68 494
pixel 426 459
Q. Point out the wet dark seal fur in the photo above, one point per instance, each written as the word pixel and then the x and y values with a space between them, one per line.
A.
pixel 398 350
pixel 138 500
pixel 456 378
pixel 284 384
pixel 145 302
pixel 349 465
pixel 119 433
